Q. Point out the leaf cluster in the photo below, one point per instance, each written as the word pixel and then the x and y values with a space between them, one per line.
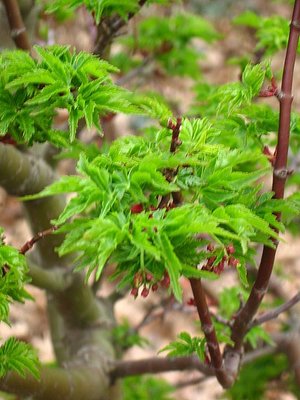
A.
pixel 31 90
pixel 126 337
pixel 146 388
pixel 185 345
pixel 14 355
pixel 19 357
pixel 243 122
pixel 169 40
pixel 141 171
pixel 271 32
pixel 100 8
pixel 13 277
pixel 253 378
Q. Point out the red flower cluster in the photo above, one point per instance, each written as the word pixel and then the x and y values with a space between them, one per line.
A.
pixel 147 281
pixel 227 259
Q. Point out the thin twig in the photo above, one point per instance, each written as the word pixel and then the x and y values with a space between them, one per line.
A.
pixel 17 27
pixel 175 142
pixel 138 71
pixel 40 235
pixel 221 320
pixel 190 382
pixel 170 173
pixel 148 317
pixel 258 353
pixel 268 316
pixel 166 305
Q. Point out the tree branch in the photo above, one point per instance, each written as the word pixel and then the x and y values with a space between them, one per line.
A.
pixel 156 365
pixel 72 384
pixel 79 323
pixel 268 316
pixel 54 280
pixel 138 71
pixel 36 238
pixel 18 29
pixel 280 174
pixel 257 353
pixel 191 382
pixel 22 174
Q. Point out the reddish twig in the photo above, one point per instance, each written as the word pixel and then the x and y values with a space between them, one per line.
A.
pixel 191 382
pixel 18 29
pixel 40 235
pixel 170 173
pixel 268 316
pixel 210 333
pixel 280 173
pixel 175 142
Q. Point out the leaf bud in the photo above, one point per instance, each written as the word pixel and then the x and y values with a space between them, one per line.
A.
pixel 149 277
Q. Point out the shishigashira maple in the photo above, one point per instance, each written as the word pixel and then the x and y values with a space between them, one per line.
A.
pixel 185 198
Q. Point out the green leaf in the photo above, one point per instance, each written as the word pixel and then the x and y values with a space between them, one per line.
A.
pixel 172 263
pixel 39 77
pixel 191 272
pixel 74 116
pixel 258 333
pixel 248 18
pixel 242 273
pixel 19 357
pixel 185 346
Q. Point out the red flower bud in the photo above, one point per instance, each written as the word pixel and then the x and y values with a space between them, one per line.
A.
pixel 154 287
pixel 210 247
pixel 210 261
pixel 149 277
pixel 191 302
pixel 165 282
pixel 145 292
pixel 230 249
pixel 233 262
pixel 219 268
pixel 137 208
pixel 134 292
